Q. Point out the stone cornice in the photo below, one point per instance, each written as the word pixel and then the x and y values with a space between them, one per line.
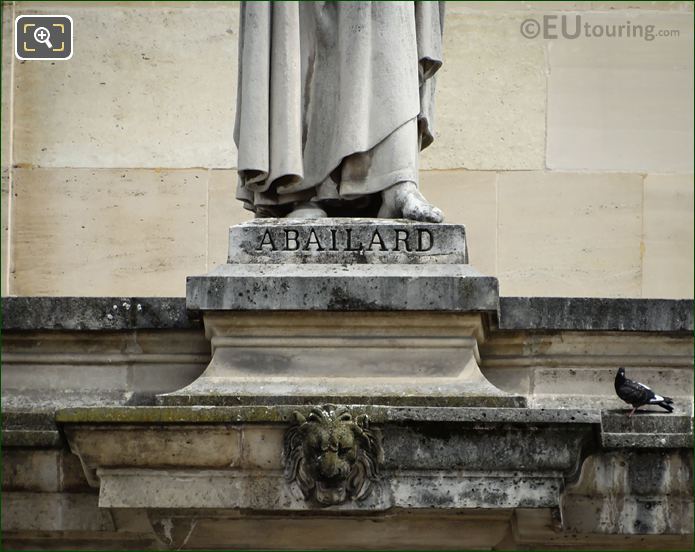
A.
pixel 515 314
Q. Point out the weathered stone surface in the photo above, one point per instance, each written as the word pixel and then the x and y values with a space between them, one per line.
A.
pixel 491 95
pixel 481 446
pixel 343 288
pixel 105 232
pixel 44 371
pixel 41 470
pixel 644 430
pixel 107 362
pixel 193 446
pixel 96 313
pixel 224 210
pixel 638 123
pixel 211 391
pixel 576 369
pixel 668 260
pixel 397 530
pixel 386 388
pixel 443 425
pixel 451 463
pixel 262 446
pixel 589 314
pixel 632 492
pixel 552 234
pixel 346 241
pixel 23 511
pixel 514 313
pixel 282 414
pixel 5 111
pixel 156 489
pixel 30 470
pixel 449 459
pixel 5 184
pixel 344 265
pixel 560 6
pixel 29 424
pixel 12 437
pixel 570 369
pixel 100 112
pixel 477 209
pixel 362 357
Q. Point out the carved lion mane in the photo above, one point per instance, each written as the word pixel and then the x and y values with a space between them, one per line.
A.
pixel 332 456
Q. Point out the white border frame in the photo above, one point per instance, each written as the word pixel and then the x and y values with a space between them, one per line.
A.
pixel 16 35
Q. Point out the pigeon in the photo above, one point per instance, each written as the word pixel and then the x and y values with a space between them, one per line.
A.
pixel 638 394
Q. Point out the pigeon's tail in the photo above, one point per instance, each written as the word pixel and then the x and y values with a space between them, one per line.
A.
pixel 664 402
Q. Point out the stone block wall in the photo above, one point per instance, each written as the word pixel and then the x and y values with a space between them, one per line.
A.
pixel 569 160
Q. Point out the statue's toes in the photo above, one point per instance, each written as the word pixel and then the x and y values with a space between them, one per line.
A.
pixel 435 214
pixel 423 212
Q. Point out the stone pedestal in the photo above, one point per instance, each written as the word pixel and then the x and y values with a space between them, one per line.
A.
pixel 344 311
pixel 89 470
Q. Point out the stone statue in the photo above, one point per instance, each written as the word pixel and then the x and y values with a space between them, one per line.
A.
pixel 334 103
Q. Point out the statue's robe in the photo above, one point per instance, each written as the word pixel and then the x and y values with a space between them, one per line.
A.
pixel 334 99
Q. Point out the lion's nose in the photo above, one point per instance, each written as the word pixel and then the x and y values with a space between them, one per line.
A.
pixel 331 465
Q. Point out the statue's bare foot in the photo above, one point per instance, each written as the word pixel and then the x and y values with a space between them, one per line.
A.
pixel 307 210
pixel 405 200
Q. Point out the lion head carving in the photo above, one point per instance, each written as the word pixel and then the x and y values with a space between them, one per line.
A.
pixel 331 456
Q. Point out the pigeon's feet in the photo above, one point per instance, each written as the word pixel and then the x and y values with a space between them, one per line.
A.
pixel 404 200
pixel 307 210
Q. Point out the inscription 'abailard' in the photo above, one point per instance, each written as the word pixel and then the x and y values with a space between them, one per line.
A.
pixel 418 240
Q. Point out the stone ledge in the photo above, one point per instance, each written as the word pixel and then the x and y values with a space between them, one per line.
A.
pixel 595 314
pixel 643 430
pixel 614 423
pixel 29 429
pixel 328 287
pixel 514 313
pixel 646 430
pixel 239 464
pixel 96 313
pixel 443 458
pixel 282 414
pixel 30 438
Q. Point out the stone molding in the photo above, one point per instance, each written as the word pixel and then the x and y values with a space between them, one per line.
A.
pixel 406 358
pixel 595 314
pixel 445 458
pixel 530 314
pixel 462 464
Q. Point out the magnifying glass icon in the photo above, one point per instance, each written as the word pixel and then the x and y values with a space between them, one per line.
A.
pixel 43 36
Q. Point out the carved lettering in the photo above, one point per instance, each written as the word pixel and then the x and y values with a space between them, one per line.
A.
pixel 333 241
pixel 420 242
pixel 318 239
pixel 348 246
pixel 293 239
pixel 267 240
pixel 376 238
pixel 400 239
pixel 313 240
